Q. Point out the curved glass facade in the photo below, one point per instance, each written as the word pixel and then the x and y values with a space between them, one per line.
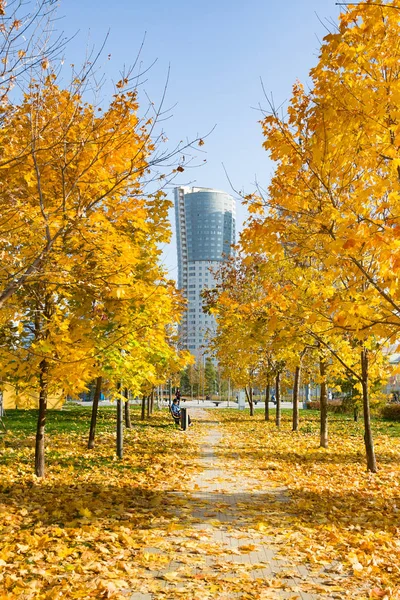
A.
pixel 210 225
pixel 205 228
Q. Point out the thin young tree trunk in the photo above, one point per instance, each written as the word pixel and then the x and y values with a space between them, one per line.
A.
pixel 152 402
pixel 249 400
pixel 128 423
pixel 323 406
pixel 143 413
pixel 95 407
pixel 266 410
pixel 247 393
pixel 148 406
pixel 296 389
pixel 369 443
pixel 41 423
pixel 120 425
pixel 278 399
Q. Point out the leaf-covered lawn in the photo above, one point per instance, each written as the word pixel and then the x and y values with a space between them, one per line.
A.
pixel 336 510
pixel 80 533
pixel 99 528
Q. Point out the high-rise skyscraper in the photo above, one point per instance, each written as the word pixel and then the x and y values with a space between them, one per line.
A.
pixel 205 230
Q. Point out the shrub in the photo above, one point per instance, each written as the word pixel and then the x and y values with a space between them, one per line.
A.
pixel 391 412
pixel 333 405
pixel 314 405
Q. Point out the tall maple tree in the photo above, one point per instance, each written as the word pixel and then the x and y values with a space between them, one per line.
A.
pixel 75 187
pixel 333 200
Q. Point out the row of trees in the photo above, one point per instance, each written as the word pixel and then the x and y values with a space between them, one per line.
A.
pixel 203 377
pixel 83 294
pixel 315 283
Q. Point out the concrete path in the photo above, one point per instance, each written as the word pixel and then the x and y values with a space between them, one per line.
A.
pixel 188 403
pixel 225 556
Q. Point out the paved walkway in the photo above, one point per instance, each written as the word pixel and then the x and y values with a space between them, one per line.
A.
pixel 225 555
pixel 188 403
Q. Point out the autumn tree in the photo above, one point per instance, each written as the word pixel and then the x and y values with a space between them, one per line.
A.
pixel 27 41
pixel 74 186
pixel 210 375
pixel 332 203
pixel 250 344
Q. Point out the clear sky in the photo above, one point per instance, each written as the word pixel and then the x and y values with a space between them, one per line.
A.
pixel 218 52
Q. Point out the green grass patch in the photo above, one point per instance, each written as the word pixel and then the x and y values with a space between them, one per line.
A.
pixel 75 420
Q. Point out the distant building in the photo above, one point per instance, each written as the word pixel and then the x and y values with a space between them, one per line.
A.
pixel 205 228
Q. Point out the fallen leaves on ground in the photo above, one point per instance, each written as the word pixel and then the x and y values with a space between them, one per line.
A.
pixel 81 532
pixel 286 519
pixel 334 516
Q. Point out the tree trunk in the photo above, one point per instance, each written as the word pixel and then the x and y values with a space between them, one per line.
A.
pixel 158 396
pixel 266 410
pixel 148 406
pixel 120 423
pixel 249 395
pixel 95 407
pixel 143 414
pixel 296 390
pixel 251 401
pixel 355 414
pixel 128 423
pixel 369 443
pixel 152 401
pixel 323 406
pixel 278 399
pixel 41 423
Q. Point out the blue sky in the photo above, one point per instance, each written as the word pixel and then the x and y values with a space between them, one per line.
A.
pixel 217 51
